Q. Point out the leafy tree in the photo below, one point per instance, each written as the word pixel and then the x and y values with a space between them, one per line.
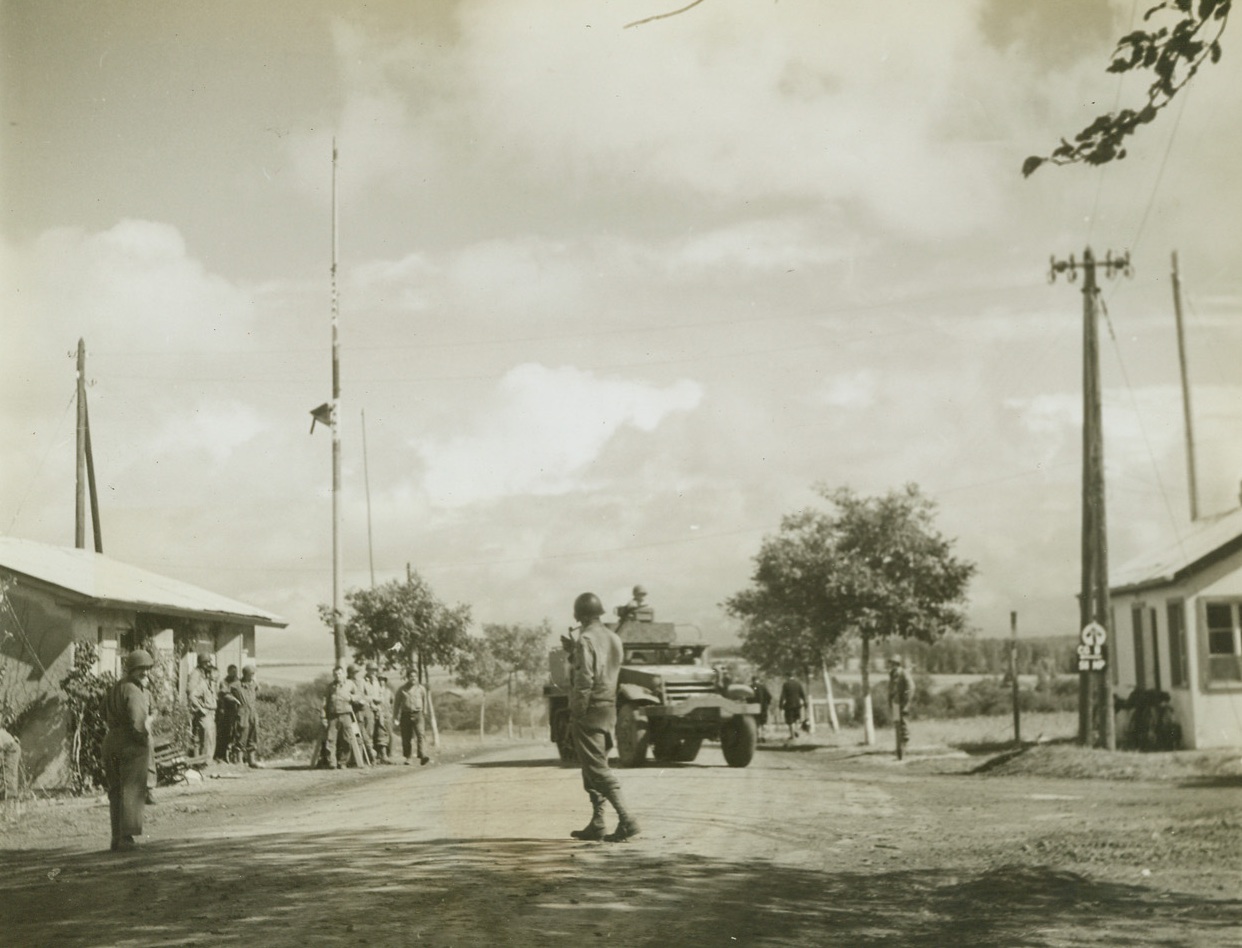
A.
pixel 403 624
pixel 1172 52
pixel 871 568
pixel 509 655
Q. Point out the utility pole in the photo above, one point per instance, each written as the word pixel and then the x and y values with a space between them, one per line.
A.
pixel 85 479
pixel 79 513
pixel 1094 609
pixel 338 557
pixel 1013 676
pixel 1187 415
pixel 366 480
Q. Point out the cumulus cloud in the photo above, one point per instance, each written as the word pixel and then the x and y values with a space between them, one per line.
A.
pixel 542 432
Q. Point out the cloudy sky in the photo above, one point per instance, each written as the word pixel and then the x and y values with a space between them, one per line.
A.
pixel 612 300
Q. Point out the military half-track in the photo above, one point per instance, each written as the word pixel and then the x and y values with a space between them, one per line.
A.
pixel 669 699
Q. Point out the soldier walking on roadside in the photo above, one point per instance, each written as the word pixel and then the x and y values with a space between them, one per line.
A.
pixel 793 703
pixel 595 666
pixel 408 707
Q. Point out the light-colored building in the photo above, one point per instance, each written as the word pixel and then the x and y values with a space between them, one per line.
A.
pixel 1177 621
pixel 54 598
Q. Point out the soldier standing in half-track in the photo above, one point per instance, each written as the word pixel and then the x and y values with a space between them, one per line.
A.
pixel 594 670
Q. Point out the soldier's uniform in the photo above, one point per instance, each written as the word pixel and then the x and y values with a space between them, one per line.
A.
pixel 126 751
pixel 202 700
pixel 246 693
pixel 408 707
pixel 363 712
pixel 377 697
pixel 595 667
pixel 228 716
pixel 900 695
pixel 338 717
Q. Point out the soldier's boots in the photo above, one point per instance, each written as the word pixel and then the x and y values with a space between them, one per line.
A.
pixel 593 831
pixel 627 826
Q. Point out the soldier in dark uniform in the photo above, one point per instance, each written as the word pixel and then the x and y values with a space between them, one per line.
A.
pixel 763 698
pixel 793 703
pixel 900 695
pixel 228 718
pixel 127 750
pixel 594 670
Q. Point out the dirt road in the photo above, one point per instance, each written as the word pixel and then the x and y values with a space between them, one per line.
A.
pixel 822 846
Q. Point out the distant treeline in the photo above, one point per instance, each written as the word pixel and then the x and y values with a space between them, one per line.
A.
pixel 967 655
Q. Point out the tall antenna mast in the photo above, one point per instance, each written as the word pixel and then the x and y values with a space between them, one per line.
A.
pixel 338 559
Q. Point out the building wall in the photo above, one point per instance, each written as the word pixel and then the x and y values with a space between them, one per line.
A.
pixel 1210 712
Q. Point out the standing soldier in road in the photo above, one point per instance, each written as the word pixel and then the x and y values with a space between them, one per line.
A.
pixel 901 694
pixel 338 717
pixel 201 698
pixel 594 669
pixel 377 698
pixel 793 704
pixel 408 708
pixel 246 692
pixel 126 749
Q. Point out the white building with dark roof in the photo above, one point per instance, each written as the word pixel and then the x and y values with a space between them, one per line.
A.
pixel 1177 622
pixel 53 599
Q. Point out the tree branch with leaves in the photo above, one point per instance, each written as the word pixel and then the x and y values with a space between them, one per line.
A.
pixel 1184 35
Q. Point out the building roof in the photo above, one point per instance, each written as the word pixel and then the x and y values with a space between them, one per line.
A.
pixel 106 582
pixel 1208 542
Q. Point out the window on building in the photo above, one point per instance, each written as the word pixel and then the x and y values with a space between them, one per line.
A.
pixel 1140 662
pixel 1153 623
pixel 1179 667
pixel 1224 641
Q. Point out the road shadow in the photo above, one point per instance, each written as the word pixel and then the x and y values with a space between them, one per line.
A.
pixel 380 888
pixel 542 762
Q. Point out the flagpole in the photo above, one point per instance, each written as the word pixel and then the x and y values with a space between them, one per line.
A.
pixel 338 559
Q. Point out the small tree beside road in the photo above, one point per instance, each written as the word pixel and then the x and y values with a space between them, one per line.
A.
pixel 871 567
pixel 509 655
pixel 403 624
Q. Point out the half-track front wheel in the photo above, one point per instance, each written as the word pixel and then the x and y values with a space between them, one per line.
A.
pixel 738 737
pixel 632 737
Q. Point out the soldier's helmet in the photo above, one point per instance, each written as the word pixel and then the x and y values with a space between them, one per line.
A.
pixel 138 658
pixel 640 592
pixel 205 660
pixel 372 667
pixel 351 670
pixel 587 606
pixel 896 662
pixel 247 671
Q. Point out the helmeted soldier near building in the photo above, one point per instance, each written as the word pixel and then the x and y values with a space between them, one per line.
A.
pixel 637 609
pixel 202 700
pixel 409 709
pixel 126 749
pixel 594 669
pixel 246 692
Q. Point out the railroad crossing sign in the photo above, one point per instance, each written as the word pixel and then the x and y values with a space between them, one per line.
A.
pixel 1091 647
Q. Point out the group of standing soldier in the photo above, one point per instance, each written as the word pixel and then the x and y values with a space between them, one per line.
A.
pixel 358 714
pixel 224 715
